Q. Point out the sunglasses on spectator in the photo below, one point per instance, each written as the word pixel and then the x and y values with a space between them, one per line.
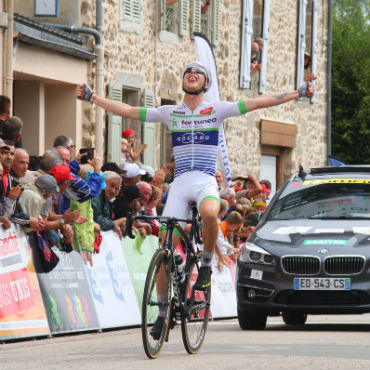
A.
pixel 195 69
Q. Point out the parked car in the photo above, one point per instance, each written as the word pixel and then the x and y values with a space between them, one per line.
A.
pixel 310 251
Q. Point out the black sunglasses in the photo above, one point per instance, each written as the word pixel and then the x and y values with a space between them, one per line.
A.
pixel 196 69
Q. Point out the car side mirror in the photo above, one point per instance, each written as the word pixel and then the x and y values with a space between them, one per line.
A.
pixel 253 218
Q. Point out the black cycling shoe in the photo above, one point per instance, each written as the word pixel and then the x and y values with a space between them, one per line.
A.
pixel 157 328
pixel 204 278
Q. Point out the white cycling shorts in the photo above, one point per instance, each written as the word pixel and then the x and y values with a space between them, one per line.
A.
pixel 190 186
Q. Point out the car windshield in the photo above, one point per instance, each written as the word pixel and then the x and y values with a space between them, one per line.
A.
pixel 324 198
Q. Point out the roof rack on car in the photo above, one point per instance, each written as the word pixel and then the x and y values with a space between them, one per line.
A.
pixel 332 169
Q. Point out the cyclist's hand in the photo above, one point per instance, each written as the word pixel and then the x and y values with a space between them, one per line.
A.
pixel 84 92
pixel 308 88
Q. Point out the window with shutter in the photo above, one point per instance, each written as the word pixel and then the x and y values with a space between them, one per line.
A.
pixel 131 10
pixel 169 16
pixel 149 131
pixel 247 32
pixel 130 16
pixel 114 128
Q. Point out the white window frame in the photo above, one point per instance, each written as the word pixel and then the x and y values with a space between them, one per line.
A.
pixel 302 41
pixel 247 35
pixel 130 16
pixel 264 52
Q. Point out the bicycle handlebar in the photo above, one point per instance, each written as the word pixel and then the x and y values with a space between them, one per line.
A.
pixel 162 220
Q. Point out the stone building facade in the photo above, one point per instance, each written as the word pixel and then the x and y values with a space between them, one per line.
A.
pixel 159 65
pixel 146 44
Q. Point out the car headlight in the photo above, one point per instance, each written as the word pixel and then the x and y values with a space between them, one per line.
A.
pixel 254 254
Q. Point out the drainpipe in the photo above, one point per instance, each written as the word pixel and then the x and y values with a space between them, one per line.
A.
pixel 99 50
pixel 9 53
pixel 328 118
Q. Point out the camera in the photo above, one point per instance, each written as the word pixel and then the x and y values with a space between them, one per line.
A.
pixel 89 155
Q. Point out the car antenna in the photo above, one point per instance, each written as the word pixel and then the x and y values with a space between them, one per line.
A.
pixel 302 174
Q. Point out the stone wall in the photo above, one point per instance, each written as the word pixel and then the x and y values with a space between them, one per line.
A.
pixel 160 64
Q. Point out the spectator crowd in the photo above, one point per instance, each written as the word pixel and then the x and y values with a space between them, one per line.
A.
pixel 66 199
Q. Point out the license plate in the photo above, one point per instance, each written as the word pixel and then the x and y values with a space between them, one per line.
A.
pixel 322 283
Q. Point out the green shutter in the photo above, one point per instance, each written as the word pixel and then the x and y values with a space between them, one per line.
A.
pixel 131 10
pixel 184 17
pixel 114 128
pixel 149 131
pixel 197 15
pixel 216 21
pixel 163 13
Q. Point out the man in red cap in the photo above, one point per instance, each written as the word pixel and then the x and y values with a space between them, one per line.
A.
pixel 62 174
pixel 130 136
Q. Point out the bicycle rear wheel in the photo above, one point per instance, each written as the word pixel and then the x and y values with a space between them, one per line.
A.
pixel 150 306
pixel 194 318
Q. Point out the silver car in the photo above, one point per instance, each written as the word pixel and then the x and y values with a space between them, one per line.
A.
pixel 310 251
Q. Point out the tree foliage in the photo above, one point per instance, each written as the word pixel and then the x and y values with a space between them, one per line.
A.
pixel 351 81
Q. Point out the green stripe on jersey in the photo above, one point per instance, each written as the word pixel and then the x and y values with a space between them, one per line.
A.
pixel 197 129
pixel 241 106
pixel 142 114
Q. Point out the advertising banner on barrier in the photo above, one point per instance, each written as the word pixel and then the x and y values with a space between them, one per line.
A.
pixel 223 299
pixel 22 312
pixel 111 286
pixel 67 295
pixel 138 253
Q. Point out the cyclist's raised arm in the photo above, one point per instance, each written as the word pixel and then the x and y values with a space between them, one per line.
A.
pixel 306 90
pixel 84 92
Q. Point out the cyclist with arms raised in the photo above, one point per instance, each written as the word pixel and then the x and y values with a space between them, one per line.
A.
pixel 194 128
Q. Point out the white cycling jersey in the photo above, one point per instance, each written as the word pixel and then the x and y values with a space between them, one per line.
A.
pixel 195 134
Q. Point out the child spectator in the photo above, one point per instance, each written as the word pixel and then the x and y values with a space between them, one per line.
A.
pixel 258 205
pixel 86 233
pixel 125 151
pixel 224 248
pixel 130 136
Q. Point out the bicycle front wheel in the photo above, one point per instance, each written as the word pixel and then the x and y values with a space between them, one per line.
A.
pixel 194 318
pixel 153 338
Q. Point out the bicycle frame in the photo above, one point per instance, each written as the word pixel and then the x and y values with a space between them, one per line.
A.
pixel 171 223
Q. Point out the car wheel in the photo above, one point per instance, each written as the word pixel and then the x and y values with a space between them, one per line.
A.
pixel 250 320
pixel 294 318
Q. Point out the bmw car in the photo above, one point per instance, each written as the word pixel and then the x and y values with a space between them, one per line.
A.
pixel 310 250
